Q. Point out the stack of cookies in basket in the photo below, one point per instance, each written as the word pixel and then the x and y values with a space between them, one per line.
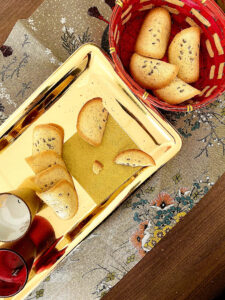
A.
pixel 168 80
pixel 52 181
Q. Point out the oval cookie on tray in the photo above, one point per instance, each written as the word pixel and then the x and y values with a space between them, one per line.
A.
pixel 50 176
pixel 134 158
pixel 91 121
pixel 44 160
pixel 62 198
pixel 47 137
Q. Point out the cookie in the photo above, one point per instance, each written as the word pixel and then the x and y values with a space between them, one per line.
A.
pixel 184 52
pixel 59 128
pixel 134 158
pixel 97 167
pixel 62 198
pixel 151 73
pixel 154 35
pixel 176 92
pixel 47 178
pixel 47 137
pixel 44 160
pixel 91 121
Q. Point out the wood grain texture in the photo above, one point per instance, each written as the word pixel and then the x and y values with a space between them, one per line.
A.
pixel 189 263
pixel 13 10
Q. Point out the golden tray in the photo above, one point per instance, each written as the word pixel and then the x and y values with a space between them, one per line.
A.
pixel 88 73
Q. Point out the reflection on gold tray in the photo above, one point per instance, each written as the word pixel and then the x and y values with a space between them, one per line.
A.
pixel 85 75
pixel 79 157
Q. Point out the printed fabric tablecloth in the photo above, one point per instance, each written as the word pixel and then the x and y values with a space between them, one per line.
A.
pixel 34 49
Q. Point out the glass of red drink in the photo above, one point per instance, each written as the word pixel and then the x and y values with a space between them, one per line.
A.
pixel 16 260
pixel 13 273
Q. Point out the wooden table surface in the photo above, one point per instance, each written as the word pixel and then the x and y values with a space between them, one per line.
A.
pixel 189 263
pixel 11 11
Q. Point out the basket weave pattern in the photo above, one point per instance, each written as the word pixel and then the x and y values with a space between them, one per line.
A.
pixel 125 24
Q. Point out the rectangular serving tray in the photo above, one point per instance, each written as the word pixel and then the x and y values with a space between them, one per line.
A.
pixel 88 73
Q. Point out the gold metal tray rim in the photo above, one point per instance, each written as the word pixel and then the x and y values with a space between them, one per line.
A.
pixel 113 201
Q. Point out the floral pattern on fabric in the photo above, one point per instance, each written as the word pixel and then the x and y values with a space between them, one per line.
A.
pixel 209 118
pixel 168 211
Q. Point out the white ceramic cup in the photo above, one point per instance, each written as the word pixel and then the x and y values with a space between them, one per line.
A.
pixel 17 210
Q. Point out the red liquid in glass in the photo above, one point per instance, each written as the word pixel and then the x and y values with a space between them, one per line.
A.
pixel 41 234
pixel 13 273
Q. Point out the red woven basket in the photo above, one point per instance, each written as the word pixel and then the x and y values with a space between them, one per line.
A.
pixel 125 24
